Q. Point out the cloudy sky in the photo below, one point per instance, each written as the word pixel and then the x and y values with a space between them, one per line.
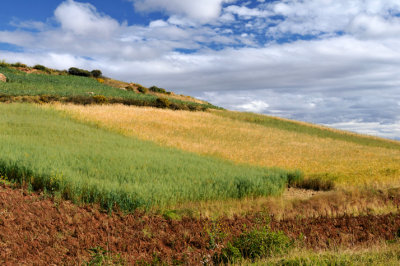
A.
pixel 333 62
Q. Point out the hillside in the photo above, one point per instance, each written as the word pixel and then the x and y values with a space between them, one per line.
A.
pixel 193 183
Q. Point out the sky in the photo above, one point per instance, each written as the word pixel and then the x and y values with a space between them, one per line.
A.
pixel 331 62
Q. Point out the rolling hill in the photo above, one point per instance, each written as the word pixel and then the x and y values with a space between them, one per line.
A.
pixel 192 183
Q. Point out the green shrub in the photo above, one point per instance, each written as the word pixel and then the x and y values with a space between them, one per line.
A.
pixel 42 68
pixel 256 244
pixel 18 64
pixel 4 63
pixel 142 89
pixel 100 99
pixel 229 254
pixel 157 89
pixel 79 72
pixel 162 103
pixel 96 73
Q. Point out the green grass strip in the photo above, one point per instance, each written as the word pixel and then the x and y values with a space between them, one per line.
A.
pixel 46 149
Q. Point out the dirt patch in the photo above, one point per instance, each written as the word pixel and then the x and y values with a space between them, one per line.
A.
pixel 27 70
pixel 300 194
pixel 34 230
pixel 3 78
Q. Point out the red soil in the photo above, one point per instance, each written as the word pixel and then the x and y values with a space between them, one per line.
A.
pixel 41 231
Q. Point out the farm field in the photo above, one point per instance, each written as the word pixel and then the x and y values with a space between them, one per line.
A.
pixel 349 160
pixel 46 150
pixel 77 236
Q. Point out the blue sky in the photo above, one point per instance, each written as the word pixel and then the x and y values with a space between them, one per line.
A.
pixel 333 62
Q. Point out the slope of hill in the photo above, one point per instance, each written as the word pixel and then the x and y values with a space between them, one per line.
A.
pixel 44 87
pixel 345 158
pixel 202 185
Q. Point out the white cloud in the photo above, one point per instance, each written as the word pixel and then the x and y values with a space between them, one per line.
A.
pixel 315 16
pixel 246 12
pixel 255 106
pixel 199 10
pixel 391 131
pixel 366 26
pixel 158 23
pixel 83 19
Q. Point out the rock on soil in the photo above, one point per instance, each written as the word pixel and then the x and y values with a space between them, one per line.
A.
pixel 3 78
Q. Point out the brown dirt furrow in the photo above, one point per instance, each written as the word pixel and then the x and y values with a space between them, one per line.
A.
pixel 41 231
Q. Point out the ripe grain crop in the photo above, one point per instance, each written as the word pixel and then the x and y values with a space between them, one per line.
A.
pixel 47 150
pixel 349 160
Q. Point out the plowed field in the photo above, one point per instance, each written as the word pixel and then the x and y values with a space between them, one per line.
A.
pixel 36 230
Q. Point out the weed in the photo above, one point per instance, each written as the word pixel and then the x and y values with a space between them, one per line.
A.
pixel 100 256
pixel 172 215
pixel 216 235
pixel 254 245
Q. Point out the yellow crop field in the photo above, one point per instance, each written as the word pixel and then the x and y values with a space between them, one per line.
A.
pixel 348 164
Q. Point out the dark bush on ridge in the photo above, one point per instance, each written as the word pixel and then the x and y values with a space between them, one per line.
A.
pixel 79 72
pixel 157 89
pixel 96 73
pixel 42 68
pixel 18 64
pixel 142 89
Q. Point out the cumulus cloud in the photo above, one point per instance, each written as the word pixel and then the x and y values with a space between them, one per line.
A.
pixel 246 12
pixel 199 10
pixel 83 19
pixel 315 17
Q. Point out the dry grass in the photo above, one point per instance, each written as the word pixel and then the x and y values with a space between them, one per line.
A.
pixel 297 203
pixel 382 253
pixel 349 164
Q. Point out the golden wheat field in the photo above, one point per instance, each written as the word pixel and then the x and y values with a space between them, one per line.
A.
pixel 348 164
